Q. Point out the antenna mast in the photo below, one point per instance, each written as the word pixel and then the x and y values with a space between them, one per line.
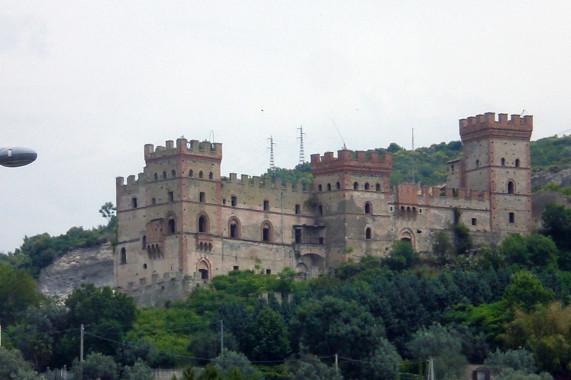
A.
pixel 413 156
pixel 335 125
pixel 300 138
pixel 271 148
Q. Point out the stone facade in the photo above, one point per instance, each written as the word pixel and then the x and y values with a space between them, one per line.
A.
pixel 181 218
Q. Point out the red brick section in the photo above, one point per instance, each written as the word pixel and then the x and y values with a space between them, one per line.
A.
pixel 328 164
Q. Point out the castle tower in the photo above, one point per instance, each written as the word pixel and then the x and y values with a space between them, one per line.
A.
pixel 496 160
pixel 350 193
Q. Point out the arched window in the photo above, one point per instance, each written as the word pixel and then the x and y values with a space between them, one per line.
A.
pixel 156 176
pixel 203 267
pixel 200 174
pixel 510 187
pixel 164 175
pixel 210 175
pixel 234 228
pixel 368 233
pixel 190 173
pixel 123 256
pixel 267 232
pixel 203 225
pixel 338 185
pixel 172 226
pixel 477 163
pixel 320 210
pixel 328 187
pixel 355 185
pixel 378 187
pixel 368 208
pixel 173 173
pixel 367 186
pixel 517 163
pixel 503 161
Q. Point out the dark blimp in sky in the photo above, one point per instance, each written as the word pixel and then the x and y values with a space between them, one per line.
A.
pixel 17 156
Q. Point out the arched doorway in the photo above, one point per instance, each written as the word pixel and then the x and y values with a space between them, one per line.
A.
pixel 406 234
pixel 203 267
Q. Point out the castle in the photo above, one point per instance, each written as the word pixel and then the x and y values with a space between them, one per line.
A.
pixel 180 217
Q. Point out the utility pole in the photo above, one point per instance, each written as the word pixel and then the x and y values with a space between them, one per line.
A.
pixel 81 344
pixel 430 369
pixel 300 138
pixel 221 338
pixel 336 364
pixel 81 350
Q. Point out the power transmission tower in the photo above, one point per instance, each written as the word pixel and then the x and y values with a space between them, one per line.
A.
pixel 271 148
pixel 300 138
pixel 413 156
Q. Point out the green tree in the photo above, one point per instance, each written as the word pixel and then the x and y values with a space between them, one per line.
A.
pixel 402 256
pixel 309 367
pixel 96 366
pixel 235 365
pixel 36 333
pixel 18 290
pixel 105 313
pixel 384 363
pixel 557 224
pixel 138 371
pixel 270 336
pixel 545 332
pixel 442 248
pixel 526 291
pixel 518 360
pixel 439 343
pixel 13 366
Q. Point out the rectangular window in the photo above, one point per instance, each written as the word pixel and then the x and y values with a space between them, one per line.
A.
pixel 266 205
pixel 134 202
pixel 511 217
pixel 234 201
pixel 268 271
pixel 236 267
pixel 171 196
pixel 202 196
pixel 297 209
pixel 474 221
pixel 153 201
pixel 298 235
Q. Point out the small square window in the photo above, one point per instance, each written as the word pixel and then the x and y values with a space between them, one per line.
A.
pixel 474 221
pixel 236 267
pixel 268 271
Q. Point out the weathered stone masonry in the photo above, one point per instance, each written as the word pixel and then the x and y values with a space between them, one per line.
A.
pixel 180 217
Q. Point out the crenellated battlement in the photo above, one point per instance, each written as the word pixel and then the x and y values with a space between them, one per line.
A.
pixel 427 195
pixel 487 124
pixel 371 165
pixel 204 149
pixel 257 182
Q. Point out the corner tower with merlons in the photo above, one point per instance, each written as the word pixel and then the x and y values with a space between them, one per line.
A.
pixel 180 219
pixel 496 159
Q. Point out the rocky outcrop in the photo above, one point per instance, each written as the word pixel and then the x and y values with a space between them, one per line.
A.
pixel 560 178
pixel 88 265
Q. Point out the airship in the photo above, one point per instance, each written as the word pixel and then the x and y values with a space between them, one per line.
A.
pixel 16 156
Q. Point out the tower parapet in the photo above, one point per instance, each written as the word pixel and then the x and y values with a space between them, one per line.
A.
pixel 373 165
pixel 202 149
pixel 486 125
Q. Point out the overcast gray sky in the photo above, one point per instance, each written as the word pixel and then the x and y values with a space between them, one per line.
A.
pixel 88 83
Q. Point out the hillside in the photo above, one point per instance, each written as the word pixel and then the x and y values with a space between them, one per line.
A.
pixel 549 159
